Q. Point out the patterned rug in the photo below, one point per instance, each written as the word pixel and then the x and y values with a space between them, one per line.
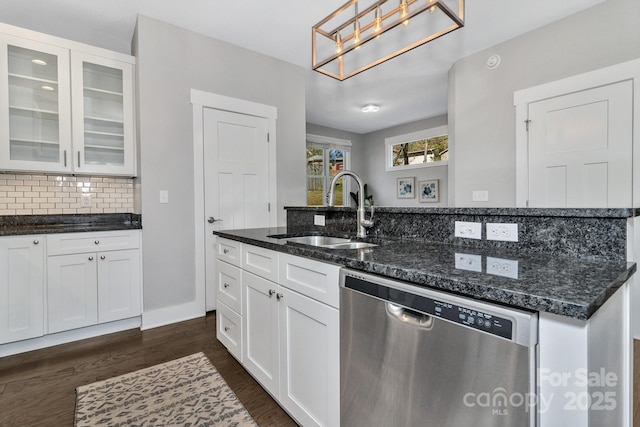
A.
pixel 184 392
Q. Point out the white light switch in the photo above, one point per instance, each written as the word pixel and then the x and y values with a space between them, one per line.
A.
pixel 164 196
pixel 480 196
pixel 85 200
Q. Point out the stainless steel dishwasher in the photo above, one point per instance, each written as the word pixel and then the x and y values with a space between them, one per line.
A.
pixel 411 356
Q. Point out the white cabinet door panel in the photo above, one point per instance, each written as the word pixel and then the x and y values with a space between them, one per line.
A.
pixel 72 287
pixel 310 360
pixel 21 288
pixel 260 354
pixel 119 294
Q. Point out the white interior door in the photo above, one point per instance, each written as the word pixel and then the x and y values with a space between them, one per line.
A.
pixel 236 179
pixel 580 149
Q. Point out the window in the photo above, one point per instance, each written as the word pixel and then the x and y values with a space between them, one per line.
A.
pixel 325 158
pixel 419 149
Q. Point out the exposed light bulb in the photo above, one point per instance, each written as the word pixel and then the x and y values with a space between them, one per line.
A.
pixel 377 26
pixel 338 43
pixel 356 33
pixel 432 8
pixel 404 12
pixel 39 61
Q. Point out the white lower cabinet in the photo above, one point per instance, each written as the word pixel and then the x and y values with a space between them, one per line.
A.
pixel 91 287
pixel 21 288
pixel 290 342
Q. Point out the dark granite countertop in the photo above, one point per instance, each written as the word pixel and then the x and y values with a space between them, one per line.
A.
pixel 561 285
pixel 15 225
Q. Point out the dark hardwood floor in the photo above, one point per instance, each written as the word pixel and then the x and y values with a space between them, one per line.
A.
pixel 38 388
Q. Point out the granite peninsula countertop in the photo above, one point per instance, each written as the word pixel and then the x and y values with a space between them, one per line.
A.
pixel 561 285
pixel 16 225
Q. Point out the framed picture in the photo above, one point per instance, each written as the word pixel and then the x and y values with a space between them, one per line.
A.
pixel 428 191
pixel 406 188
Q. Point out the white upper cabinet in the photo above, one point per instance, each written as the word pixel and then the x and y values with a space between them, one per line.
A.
pixel 64 107
pixel 102 102
pixel 35 106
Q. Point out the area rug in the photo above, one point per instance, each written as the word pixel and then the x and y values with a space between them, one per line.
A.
pixel 185 392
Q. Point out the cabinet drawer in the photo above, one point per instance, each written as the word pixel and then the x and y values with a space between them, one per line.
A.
pixel 317 280
pixel 229 251
pixel 73 243
pixel 261 262
pixel 229 329
pixel 228 285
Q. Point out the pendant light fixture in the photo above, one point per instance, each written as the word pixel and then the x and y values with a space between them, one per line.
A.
pixel 349 41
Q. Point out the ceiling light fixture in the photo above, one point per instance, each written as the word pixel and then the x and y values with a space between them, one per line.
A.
pixel 370 108
pixel 348 42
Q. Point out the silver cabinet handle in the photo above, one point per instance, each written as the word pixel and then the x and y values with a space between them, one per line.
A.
pixel 65 158
pixel 90 258
pixel 279 297
pixel 226 285
pixel 225 251
pixel 102 257
pixel 78 159
pixel 271 292
pixel 211 220
pixel 97 242
pixel 35 242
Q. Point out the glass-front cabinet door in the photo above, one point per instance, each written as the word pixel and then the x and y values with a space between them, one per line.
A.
pixel 35 109
pixel 102 102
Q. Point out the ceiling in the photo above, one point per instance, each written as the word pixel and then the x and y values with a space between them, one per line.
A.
pixel 410 87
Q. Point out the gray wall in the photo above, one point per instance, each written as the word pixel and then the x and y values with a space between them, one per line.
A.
pixel 171 61
pixel 481 110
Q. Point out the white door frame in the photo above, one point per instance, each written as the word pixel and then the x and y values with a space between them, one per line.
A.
pixel 521 99
pixel 201 100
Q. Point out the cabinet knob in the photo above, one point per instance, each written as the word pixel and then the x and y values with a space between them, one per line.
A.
pixel 226 329
pixel 97 242
pixel 35 242
pixel 279 297
pixel 271 292
pixel 102 257
pixel 226 285
pixel 90 258
pixel 225 251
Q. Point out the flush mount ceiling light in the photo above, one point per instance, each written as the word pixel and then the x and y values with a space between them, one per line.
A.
pixel 349 41
pixel 370 108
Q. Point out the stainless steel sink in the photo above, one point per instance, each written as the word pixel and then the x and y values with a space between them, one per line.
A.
pixel 330 242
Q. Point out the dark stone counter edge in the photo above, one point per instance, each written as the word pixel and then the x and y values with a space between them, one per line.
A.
pixel 525 212
pixel 460 287
pixel 17 225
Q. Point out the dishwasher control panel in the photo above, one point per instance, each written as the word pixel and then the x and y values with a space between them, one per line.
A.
pixel 439 308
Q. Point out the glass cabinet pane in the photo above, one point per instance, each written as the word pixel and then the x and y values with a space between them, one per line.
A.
pixel 104 141
pixel 34 123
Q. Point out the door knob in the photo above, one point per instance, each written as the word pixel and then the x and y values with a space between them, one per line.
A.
pixel 211 220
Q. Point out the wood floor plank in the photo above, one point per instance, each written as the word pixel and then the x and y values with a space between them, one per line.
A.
pixel 38 388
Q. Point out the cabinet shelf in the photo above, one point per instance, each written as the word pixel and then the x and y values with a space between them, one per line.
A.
pixel 107 134
pixel 33 112
pixel 102 147
pixel 35 81
pixel 103 120
pixel 103 91
pixel 34 141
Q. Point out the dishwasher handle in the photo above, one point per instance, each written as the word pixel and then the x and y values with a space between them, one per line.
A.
pixel 408 316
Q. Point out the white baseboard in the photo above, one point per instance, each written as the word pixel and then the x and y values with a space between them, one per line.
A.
pixel 69 336
pixel 174 314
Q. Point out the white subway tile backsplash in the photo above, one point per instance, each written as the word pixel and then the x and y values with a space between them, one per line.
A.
pixel 22 194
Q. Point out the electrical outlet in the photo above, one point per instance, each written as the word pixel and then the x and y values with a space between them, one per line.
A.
pixel 318 220
pixel 480 196
pixel 164 196
pixel 85 200
pixel 468 230
pixel 502 231
pixel 468 262
pixel 502 267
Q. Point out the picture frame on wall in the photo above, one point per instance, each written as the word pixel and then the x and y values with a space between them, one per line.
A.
pixel 406 188
pixel 428 191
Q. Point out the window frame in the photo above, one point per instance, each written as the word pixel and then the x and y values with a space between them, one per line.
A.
pixel 326 144
pixel 410 137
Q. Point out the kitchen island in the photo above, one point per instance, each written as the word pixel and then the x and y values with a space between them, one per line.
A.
pixel 579 284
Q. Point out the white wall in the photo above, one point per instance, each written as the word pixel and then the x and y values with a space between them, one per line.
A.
pixel 481 111
pixel 171 62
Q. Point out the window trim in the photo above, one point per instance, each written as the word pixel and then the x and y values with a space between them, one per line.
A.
pixel 410 137
pixel 328 143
